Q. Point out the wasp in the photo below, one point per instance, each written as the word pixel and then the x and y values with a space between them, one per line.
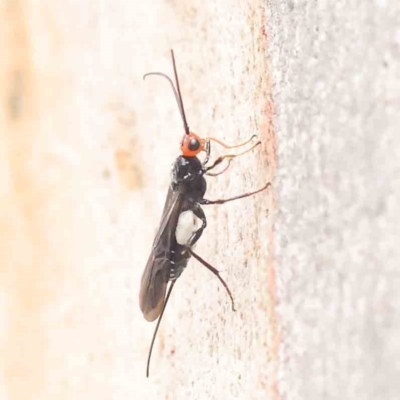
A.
pixel 183 220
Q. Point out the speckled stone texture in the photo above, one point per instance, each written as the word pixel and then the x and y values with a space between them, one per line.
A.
pixel 336 72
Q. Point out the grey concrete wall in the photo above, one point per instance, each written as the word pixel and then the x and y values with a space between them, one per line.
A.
pixel 335 67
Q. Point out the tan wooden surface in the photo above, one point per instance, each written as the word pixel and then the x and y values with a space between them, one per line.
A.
pixel 86 148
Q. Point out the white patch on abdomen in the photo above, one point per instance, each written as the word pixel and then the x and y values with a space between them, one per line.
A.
pixel 188 223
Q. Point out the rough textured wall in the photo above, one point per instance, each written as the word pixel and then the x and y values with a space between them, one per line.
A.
pixel 336 71
pixel 86 148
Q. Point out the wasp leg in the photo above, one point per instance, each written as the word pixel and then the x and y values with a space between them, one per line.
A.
pixel 222 201
pixel 220 172
pixel 199 213
pixel 228 146
pixel 216 273
pixel 230 157
pixel 208 152
pixel 171 286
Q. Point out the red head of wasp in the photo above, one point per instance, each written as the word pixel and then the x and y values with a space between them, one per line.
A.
pixel 179 231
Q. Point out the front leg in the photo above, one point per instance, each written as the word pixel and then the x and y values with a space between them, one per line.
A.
pixel 229 157
pixel 208 152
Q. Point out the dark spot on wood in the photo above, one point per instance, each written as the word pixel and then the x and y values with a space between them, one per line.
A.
pixel 15 96
pixel 106 173
pixel 128 169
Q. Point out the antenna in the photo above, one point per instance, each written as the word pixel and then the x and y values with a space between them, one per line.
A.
pixel 177 93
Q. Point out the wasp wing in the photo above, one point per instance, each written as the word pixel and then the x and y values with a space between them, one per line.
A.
pixel 156 274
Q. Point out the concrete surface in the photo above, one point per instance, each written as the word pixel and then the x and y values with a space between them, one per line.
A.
pixel 336 70
pixel 86 150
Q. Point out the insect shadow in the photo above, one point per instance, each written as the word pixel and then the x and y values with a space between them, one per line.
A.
pixel 179 227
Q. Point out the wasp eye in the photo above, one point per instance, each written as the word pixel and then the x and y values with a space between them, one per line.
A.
pixel 194 144
pixel 191 145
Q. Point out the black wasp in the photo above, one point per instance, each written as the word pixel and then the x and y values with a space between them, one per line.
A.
pixel 179 228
